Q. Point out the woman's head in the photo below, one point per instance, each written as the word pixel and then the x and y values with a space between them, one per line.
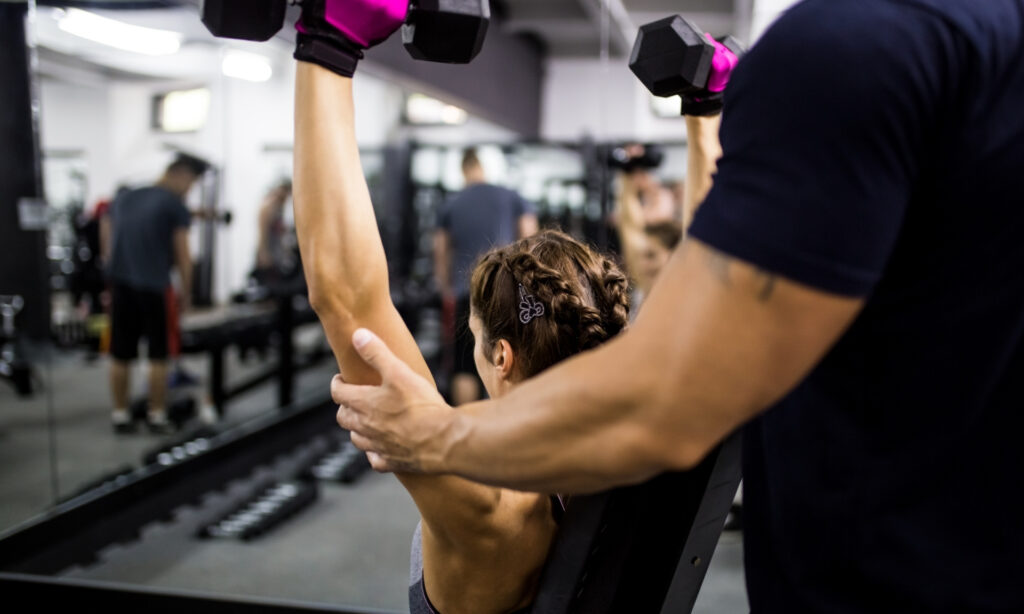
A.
pixel 539 301
pixel 661 240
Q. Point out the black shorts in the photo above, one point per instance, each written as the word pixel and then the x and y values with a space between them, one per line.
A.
pixel 134 314
pixel 463 346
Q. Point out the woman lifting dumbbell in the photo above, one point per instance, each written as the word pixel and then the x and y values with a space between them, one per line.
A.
pixel 534 303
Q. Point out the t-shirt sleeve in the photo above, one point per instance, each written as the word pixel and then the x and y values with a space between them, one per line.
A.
pixel 826 124
pixel 444 216
pixel 183 218
pixel 523 206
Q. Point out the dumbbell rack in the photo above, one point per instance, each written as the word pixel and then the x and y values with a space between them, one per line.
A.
pixel 76 531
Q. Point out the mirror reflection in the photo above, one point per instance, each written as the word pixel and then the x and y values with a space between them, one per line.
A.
pixel 181 376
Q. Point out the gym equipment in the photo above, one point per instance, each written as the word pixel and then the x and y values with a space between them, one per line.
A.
pixel 345 465
pixel 673 57
pixel 643 548
pixel 273 504
pixel 620 158
pixel 13 365
pixel 183 446
pixel 449 31
pixel 250 325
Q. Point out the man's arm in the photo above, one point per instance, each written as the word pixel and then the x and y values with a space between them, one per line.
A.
pixel 703 152
pixel 630 217
pixel 718 342
pixel 264 258
pixel 183 261
pixel 527 225
pixel 106 238
pixel 443 261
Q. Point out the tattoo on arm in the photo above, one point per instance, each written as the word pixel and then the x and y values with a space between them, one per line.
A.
pixel 720 264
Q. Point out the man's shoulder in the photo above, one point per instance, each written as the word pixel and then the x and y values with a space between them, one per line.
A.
pixel 890 18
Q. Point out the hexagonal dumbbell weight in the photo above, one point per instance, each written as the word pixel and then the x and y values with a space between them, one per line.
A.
pixel 672 56
pixel 450 31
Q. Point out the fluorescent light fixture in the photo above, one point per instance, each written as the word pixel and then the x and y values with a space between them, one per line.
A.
pixel 183 110
pixel 424 110
pixel 247 66
pixel 113 33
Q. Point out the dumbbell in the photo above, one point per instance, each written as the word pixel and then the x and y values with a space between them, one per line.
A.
pixel 672 56
pixel 449 31
pixel 621 158
pixel 223 216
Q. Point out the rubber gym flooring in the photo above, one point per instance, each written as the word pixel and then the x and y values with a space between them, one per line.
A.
pixel 350 547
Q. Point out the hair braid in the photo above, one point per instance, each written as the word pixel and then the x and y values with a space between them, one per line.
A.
pixel 584 295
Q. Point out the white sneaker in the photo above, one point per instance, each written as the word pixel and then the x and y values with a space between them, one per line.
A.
pixel 208 415
pixel 158 423
pixel 121 420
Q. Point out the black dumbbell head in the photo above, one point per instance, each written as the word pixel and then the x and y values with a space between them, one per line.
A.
pixel 450 31
pixel 671 56
pixel 254 20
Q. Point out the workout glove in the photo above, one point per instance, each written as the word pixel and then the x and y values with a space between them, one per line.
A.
pixel 334 33
pixel 709 100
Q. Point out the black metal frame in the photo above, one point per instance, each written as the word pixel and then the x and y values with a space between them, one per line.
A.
pixel 216 339
pixel 72 532
pixel 641 549
pixel 92 596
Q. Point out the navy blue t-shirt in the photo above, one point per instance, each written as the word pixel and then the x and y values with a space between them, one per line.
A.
pixel 875 148
pixel 143 223
pixel 478 218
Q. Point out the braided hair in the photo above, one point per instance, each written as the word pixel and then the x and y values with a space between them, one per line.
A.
pixel 584 298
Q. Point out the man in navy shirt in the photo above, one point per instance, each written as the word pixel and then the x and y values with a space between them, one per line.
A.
pixel 853 292
pixel 480 217
pixel 149 237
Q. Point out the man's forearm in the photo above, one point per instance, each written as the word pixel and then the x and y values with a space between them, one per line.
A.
pixel 185 272
pixel 703 152
pixel 442 263
pixel 717 342
pixel 568 431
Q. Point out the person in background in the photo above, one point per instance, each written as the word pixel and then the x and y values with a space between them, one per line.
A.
pixel 480 217
pixel 147 236
pixel 271 256
pixel 649 229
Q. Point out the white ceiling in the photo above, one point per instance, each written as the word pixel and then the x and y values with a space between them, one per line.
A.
pixel 565 28
pixel 573 28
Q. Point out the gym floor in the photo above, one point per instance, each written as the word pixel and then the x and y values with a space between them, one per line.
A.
pixel 363 563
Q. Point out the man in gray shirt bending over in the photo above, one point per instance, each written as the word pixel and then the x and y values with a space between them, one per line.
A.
pixel 476 219
pixel 149 236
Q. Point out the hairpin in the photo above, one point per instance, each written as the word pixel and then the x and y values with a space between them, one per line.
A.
pixel 529 307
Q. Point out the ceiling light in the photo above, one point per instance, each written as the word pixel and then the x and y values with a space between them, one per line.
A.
pixel 183 110
pixel 424 110
pixel 137 39
pixel 452 115
pixel 247 66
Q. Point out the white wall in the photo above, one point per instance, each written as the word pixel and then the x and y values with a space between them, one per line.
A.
pixel 248 134
pixel 582 97
pixel 765 12
pixel 74 117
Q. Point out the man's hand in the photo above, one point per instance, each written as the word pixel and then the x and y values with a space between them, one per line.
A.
pixel 403 424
